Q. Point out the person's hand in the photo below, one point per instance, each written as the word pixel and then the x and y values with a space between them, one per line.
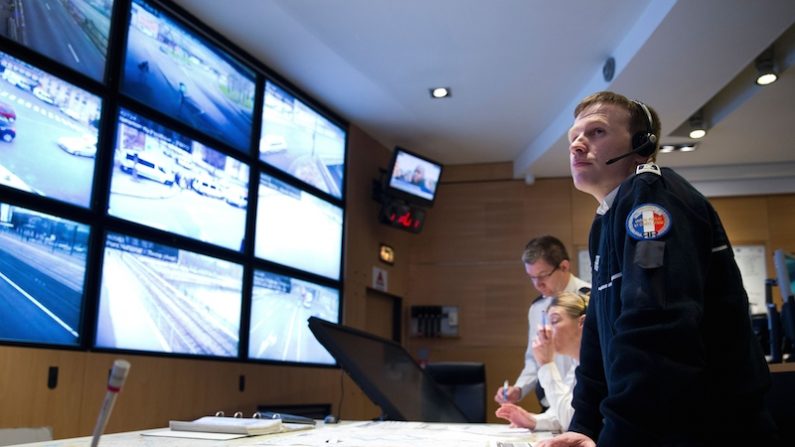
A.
pixel 543 351
pixel 513 395
pixel 517 416
pixel 568 439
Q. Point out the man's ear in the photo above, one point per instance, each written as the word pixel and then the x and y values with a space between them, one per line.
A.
pixel 565 265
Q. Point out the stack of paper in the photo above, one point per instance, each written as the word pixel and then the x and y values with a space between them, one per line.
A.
pixel 240 426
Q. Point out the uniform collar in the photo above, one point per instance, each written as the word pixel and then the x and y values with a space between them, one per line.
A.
pixel 607 202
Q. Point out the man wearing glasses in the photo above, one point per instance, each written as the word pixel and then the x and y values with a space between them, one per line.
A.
pixel 547 264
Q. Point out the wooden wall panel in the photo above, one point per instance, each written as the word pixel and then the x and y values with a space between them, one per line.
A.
pixel 26 400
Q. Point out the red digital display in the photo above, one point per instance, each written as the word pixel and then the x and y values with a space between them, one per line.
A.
pixel 405 217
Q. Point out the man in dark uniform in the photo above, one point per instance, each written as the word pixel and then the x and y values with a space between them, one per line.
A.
pixel 668 355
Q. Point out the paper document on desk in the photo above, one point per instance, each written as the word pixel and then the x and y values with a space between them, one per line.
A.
pixel 239 426
pixel 408 434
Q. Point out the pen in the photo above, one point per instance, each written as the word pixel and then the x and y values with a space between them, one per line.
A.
pixel 505 390
pixel 544 319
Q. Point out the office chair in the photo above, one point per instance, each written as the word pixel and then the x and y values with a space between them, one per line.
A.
pixel 466 384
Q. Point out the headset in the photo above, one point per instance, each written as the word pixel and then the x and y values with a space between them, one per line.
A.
pixel 643 142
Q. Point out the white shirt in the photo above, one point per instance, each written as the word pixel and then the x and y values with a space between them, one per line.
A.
pixel 528 377
pixel 559 393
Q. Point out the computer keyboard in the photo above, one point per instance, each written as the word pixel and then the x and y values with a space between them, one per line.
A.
pixel 286 417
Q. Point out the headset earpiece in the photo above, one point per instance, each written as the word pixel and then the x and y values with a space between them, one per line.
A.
pixel 644 142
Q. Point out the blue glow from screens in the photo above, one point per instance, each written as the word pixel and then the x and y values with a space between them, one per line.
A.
pixel 159 298
pixel 168 181
pixel 298 229
pixel 280 307
pixel 415 176
pixel 302 143
pixel 74 33
pixel 46 126
pixel 785 273
pixel 182 75
pixel 42 269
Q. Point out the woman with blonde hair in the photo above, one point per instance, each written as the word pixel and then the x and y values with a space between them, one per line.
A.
pixel 560 334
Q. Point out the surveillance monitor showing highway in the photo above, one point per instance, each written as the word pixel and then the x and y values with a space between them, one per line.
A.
pixel 280 306
pixel 301 142
pixel 42 269
pixel 46 126
pixel 297 229
pixel 158 298
pixel 165 180
pixel 72 32
pixel 174 70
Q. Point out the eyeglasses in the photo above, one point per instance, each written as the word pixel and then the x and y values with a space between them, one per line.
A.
pixel 543 276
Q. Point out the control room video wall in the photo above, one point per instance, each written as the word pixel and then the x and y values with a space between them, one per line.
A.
pixel 161 191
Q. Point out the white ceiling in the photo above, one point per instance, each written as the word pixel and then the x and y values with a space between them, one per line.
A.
pixel 517 68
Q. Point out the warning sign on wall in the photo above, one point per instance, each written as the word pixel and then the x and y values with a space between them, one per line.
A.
pixel 380 279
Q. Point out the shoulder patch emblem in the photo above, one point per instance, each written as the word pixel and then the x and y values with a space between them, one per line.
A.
pixel 648 221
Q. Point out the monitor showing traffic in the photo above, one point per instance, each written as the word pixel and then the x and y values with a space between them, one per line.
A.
pixel 46 126
pixel 176 71
pixel 280 306
pixel 158 298
pixel 42 269
pixel 165 180
pixel 298 229
pixel 72 32
pixel 301 142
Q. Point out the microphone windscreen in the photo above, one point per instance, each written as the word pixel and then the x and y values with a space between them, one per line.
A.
pixel 118 374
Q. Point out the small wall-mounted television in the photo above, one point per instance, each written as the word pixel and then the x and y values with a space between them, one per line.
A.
pixel 301 142
pixel 159 298
pixel 74 33
pixel 175 70
pixel 42 265
pixel 165 180
pixel 413 177
pixel 47 125
pixel 280 307
pixel 298 229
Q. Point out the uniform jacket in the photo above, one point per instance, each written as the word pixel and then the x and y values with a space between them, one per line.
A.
pixel 668 355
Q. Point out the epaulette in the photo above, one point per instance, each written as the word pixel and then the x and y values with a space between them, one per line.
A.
pixel 647 167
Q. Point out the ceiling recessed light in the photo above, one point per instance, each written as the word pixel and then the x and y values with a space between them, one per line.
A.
pixel 679 147
pixel 440 92
pixel 665 148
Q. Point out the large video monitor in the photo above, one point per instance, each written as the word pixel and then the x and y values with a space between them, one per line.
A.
pixel 387 374
pixel 413 177
pixel 173 69
pixel 298 229
pixel 280 306
pixel 42 266
pixel 74 33
pixel 158 298
pixel 47 126
pixel 785 273
pixel 168 181
pixel 301 142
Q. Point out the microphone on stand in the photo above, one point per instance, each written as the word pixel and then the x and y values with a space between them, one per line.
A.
pixel 117 377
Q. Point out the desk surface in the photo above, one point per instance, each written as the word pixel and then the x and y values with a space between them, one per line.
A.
pixel 351 434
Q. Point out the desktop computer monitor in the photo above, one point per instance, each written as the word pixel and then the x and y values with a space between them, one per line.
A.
pixel 387 374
